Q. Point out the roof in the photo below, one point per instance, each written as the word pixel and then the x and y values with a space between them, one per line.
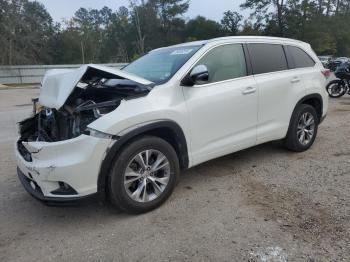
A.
pixel 237 38
pixel 250 38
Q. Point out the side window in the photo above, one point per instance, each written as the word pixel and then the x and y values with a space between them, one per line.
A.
pixel 225 62
pixel 300 57
pixel 267 58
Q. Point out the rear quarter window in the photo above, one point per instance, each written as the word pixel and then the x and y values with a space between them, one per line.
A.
pixel 267 58
pixel 300 58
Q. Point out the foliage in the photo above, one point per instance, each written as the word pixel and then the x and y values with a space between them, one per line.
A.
pixel 231 22
pixel 28 34
pixel 322 23
pixel 201 28
pixel 26 29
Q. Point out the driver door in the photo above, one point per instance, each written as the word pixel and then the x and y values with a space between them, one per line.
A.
pixel 223 110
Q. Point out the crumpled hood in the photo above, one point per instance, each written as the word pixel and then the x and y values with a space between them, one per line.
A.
pixel 58 84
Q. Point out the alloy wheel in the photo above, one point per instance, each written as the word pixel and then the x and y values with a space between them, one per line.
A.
pixel 306 128
pixel 147 175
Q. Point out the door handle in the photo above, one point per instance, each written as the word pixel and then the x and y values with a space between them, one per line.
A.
pixel 249 90
pixel 295 80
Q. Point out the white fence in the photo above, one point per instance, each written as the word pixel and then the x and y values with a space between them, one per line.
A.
pixel 33 74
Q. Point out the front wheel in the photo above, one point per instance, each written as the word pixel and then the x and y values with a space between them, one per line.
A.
pixel 336 88
pixel 144 175
pixel 303 128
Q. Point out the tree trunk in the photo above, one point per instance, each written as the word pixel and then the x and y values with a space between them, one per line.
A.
pixel 337 7
pixel 82 52
pixel 10 53
pixel 320 7
pixel 280 6
pixel 140 37
pixel 329 6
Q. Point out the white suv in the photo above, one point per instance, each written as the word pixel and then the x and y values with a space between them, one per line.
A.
pixel 126 134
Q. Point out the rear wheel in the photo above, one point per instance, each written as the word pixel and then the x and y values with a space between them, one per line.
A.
pixel 144 175
pixel 336 88
pixel 303 128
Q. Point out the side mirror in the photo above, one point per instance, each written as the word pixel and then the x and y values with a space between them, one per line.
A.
pixel 200 73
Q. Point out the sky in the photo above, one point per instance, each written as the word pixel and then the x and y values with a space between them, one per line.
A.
pixel 212 9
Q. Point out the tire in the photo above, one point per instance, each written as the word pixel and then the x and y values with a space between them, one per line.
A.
pixel 293 140
pixel 132 197
pixel 339 86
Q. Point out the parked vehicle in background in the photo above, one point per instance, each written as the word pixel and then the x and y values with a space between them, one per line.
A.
pixel 333 64
pixel 325 60
pixel 127 133
pixel 342 59
pixel 339 87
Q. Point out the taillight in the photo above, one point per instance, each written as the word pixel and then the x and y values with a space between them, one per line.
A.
pixel 326 73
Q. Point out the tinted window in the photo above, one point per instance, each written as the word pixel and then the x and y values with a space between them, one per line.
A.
pixel 225 62
pixel 300 58
pixel 267 58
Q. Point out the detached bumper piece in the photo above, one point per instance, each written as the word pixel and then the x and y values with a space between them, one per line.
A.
pixel 35 191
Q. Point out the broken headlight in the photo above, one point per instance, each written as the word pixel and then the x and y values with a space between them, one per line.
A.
pixel 95 133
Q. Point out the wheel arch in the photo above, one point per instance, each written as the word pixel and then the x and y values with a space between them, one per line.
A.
pixel 315 100
pixel 168 130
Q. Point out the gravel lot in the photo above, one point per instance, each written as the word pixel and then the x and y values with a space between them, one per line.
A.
pixel 261 204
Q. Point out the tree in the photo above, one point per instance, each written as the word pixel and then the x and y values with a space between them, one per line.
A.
pixel 169 10
pixel 262 11
pixel 201 28
pixel 231 22
pixel 26 31
pixel 91 24
pixel 250 29
pixel 4 41
pixel 29 36
pixel 140 35
pixel 115 46
pixel 67 45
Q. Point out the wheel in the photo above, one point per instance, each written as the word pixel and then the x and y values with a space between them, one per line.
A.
pixel 303 128
pixel 336 88
pixel 144 175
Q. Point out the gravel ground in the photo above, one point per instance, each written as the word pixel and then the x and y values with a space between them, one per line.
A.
pixel 260 204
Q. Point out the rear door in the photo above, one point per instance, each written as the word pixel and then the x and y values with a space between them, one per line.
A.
pixel 305 66
pixel 279 89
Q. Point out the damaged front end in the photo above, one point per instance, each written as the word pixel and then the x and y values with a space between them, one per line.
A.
pixel 56 149
pixel 63 112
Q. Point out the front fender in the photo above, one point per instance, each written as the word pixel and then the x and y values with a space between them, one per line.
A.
pixel 136 131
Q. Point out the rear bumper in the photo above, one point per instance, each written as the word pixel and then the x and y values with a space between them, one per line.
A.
pixel 35 191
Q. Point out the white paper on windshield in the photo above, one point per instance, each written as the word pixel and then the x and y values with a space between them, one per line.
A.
pixel 181 52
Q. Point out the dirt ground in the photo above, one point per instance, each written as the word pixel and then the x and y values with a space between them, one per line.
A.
pixel 261 204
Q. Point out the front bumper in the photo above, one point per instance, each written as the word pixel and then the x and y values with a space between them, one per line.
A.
pixel 74 163
pixel 35 191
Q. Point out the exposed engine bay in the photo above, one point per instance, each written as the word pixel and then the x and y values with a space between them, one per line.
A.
pixel 96 94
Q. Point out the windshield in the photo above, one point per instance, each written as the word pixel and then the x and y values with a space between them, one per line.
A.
pixel 160 65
